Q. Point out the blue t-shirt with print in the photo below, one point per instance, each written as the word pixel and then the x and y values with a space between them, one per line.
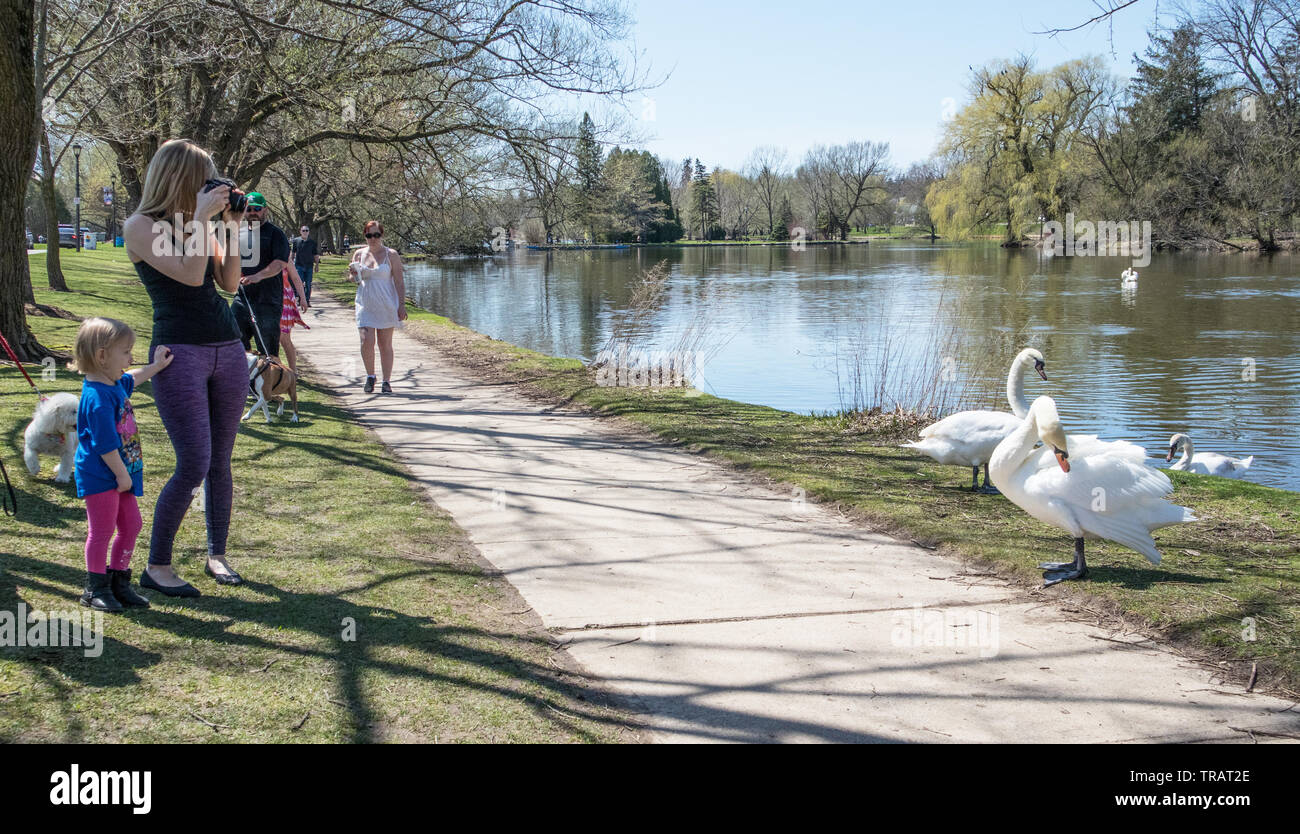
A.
pixel 106 422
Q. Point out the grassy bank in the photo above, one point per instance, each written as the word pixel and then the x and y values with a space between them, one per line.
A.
pixel 327 529
pixel 1242 560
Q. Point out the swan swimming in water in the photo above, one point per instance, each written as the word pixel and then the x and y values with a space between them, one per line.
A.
pixel 1089 493
pixel 1205 463
pixel 968 438
pixel 1129 278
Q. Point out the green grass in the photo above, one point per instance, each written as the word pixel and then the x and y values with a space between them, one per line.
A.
pixel 1242 559
pixel 326 526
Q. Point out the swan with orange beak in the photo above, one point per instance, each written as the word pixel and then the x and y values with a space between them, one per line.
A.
pixel 1098 493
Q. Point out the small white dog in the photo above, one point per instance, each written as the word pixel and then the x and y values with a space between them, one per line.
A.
pixel 53 431
pixel 270 381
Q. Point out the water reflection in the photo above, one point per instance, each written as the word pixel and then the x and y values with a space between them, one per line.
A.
pixel 799 330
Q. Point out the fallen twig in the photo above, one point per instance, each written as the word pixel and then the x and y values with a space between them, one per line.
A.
pixel 268 664
pixel 305 716
pixel 203 720
pixel 1123 642
pixel 1254 674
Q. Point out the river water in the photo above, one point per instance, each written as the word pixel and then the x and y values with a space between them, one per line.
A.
pixel 1207 344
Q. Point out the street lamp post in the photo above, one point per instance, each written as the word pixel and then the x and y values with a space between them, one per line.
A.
pixel 76 200
pixel 112 209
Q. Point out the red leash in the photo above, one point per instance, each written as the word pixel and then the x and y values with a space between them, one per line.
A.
pixel 10 499
pixel 14 358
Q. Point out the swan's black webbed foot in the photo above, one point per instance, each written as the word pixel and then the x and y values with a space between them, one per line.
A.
pixel 1052 577
pixel 988 488
pixel 1062 571
pixel 974 479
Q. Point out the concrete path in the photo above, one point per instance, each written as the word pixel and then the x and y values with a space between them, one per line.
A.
pixel 733 612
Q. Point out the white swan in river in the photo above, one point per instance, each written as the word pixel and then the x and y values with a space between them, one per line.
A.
pixel 1129 277
pixel 1089 494
pixel 1205 463
pixel 968 438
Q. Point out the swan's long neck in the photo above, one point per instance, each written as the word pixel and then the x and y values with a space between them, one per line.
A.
pixel 1016 388
pixel 1015 447
pixel 1188 454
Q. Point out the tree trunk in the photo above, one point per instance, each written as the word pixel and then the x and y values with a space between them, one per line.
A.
pixel 17 153
pixel 53 267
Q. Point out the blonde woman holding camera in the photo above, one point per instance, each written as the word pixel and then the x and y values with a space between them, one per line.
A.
pixel 200 395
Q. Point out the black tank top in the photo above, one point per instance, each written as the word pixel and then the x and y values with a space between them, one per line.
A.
pixel 185 315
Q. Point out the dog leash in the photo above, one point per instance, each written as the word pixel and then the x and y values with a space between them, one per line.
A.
pixel 268 360
pixel 257 330
pixel 9 499
pixel 13 357
pixel 8 502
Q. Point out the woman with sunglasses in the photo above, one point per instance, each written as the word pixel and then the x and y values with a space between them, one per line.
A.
pixel 380 301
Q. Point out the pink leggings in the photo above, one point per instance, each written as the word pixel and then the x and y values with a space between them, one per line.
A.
pixel 106 512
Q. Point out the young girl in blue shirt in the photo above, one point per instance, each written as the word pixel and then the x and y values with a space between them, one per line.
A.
pixel 109 469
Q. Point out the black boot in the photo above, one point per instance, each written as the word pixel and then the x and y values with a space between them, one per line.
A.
pixel 120 582
pixel 99 594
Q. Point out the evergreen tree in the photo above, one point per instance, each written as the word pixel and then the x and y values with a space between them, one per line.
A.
pixel 590 172
pixel 781 227
pixel 704 202
pixel 1173 86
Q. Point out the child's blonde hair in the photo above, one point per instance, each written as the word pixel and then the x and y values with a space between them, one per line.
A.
pixel 97 334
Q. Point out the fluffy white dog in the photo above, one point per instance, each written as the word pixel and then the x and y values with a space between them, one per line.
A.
pixel 53 431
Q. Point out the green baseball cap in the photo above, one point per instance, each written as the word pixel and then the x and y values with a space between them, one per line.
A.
pixel 256 200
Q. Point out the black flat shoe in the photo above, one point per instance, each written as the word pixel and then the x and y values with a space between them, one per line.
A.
pixel 385 388
pixel 186 590
pixel 370 385
pixel 231 578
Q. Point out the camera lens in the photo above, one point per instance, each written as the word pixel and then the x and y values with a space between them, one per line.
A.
pixel 238 199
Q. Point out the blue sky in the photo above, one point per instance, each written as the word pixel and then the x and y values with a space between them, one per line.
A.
pixel 800 73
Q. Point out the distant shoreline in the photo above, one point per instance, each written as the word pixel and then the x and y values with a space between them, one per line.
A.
pixel 691 244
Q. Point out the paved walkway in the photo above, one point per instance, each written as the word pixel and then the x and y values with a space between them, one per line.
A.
pixel 731 612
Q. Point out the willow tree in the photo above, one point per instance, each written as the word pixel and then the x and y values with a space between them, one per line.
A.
pixel 1013 152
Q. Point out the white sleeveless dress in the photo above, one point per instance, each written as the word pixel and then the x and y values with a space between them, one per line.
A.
pixel 377 302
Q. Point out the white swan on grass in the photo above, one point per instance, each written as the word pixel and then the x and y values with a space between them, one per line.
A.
pixel 968 438
pixel 1205 463
pixel 1089 494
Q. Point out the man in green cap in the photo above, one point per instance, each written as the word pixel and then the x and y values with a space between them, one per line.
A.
pixel 265 254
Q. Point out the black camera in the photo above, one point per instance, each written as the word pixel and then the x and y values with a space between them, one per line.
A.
pixel 238 199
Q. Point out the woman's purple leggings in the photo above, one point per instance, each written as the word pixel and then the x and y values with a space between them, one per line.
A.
pixel 200 397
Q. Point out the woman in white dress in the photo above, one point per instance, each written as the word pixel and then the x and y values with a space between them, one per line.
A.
pixel 380 301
